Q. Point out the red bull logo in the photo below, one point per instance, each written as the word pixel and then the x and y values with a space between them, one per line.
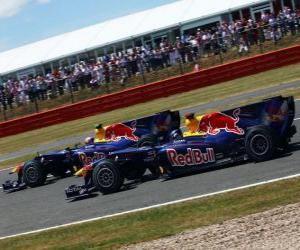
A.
pixel 117 131
pixel 88 160
pixel 193 157
pixel 213 123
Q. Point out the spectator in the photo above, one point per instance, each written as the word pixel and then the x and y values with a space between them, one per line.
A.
pixel 243 47
pixel 119 67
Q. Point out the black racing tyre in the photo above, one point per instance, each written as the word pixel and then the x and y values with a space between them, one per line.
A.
pixel 34 174
pixel 147 140
pixel 107 177
pixel 259 144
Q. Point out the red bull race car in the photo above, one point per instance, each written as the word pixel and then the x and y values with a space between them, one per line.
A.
pixel 253 132
pixel 154 129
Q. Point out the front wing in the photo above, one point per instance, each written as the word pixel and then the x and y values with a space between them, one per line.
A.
pixel 13 186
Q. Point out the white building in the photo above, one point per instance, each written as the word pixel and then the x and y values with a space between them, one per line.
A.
pixel 137 29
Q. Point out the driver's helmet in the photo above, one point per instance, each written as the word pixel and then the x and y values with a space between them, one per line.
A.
pixel 176 135
pixel 189 116
pixel 89 140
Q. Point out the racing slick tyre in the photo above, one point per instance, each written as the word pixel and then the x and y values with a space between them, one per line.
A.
pixel 34 174
pixel 259 144
pixel 107 177
pixel 147 140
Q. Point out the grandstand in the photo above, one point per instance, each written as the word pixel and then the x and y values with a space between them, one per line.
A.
pixel 138 29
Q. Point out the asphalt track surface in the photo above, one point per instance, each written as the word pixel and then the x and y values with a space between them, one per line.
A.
pixel 211 105
pixel 45 206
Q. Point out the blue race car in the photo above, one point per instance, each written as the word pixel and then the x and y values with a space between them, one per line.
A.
pixel 153 130
pixel 253 132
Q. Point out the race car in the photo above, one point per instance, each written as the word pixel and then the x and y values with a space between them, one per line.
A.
pixel 154 129
pixel 253 132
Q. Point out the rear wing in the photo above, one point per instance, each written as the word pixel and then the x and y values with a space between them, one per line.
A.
pixel 160 124
pixel 277 113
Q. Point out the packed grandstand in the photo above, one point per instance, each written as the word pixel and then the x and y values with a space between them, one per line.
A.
pixel 120 67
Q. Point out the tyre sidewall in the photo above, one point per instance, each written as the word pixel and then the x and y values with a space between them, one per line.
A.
pixel 33 174
pixel 265 137
pixel 107 177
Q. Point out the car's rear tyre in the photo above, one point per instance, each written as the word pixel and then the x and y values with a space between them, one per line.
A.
pixel 34 174
pixel 147 141
pixel 107 177
pixel 259 144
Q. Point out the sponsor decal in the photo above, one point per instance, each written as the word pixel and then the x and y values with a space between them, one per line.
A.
pixel 117 131
pixel 191 158
pixel 86 160
pixel 213 123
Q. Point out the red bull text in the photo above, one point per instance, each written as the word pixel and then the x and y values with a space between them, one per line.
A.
pixel 193 157
pixel 88 160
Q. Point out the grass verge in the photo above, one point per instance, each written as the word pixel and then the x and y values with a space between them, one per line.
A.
pixel 192 98
pixel 161 222
pixel 14 161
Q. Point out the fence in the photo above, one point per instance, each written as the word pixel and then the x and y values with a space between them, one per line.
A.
pixel 152 91
pixel 144 69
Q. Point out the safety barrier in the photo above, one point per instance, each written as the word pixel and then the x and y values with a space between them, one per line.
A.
pixel 171 86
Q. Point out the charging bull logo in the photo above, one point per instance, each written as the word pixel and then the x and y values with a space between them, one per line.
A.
pixel 192 158
pixel 117 131
pixel 214 122
pixel 88 160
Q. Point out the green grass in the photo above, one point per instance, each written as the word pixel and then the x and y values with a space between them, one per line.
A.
pixel 161 222
pixel 13 162
pixel 192 98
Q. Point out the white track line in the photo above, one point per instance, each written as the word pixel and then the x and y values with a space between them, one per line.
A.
pixel 2 170
pixel 153 206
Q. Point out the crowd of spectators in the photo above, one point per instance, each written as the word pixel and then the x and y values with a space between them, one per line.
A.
pixel 119 67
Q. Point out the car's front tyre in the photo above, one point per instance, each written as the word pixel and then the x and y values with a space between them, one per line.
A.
pixel 107 177
pixel 34 174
